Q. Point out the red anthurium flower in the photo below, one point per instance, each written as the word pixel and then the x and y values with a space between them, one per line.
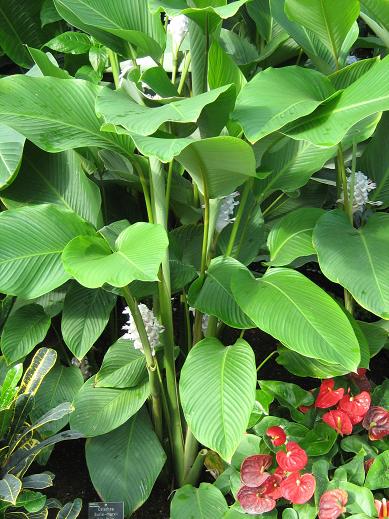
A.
pixel 339 421
pixel 298 488
pixel 277 435
pixel 332 504
pixel 382 508
pixel 328 396
pixel 281 472
pixel 368 463
pixel 272 486
pixel 253 501
pixel 355 406
pixel 305 408
pixel 253 470
pixel 294 458
pixel 376 421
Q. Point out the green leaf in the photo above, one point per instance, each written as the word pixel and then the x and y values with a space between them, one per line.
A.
pixel 319 440
pixel 70 510
pixel 49 13
pixel 10 487
pixel 138 253
pixel 23 330
pixel 222 70
pixel 216 407
pixel 70 43
pixel 123 366
pixel 213 295
pixel 11 151
pixel 346 76
pixel 291 92
pixel 42 362
pixel 55 178
pixel 281 302
pixel 85 315
pixel 38 481
pixel 47 64
pixel 118 108
pixel 291 236
pixel 330 122
pixel 31 242
pixel 99 410
pixel 124 464
pixel 218 165
pixel 9 387
pixel 303 366
pixel 356 258
pixel 59 386
pixel 329 20
pixel 55 114
pixel 31 501
pixel 295 432
pixel 378 475
pixel 205 502
pixel 376 14
pixel 360 499
pixel 287 394
pixel 376 337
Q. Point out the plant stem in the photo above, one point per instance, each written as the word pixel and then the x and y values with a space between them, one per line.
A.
pixel 185 71
pixel 150 361
pixel 168 189
pixel 270 207
pixel 194 473
pixel 187 321
pixel 267 358
pixel 235 227
pixel 145 189
pixel 113 59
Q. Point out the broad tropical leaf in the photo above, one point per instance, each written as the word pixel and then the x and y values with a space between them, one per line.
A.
pixel 275 97
pixel 222 70
pixel 217 389
pixel 376 14
pixel 85 315
pixel 206 502
pixel 125 463
pixel 138 253
pixel 11 151
pixel 71 43
pixel 31 243
pixel 343 251
pixel 23 330
pixel 99 410
pixel 287 305
pixel 10 487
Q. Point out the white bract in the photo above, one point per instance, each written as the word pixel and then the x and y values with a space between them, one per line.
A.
pixel 178 28
pixel 362 187
pixel 226 210
pixel 152 326
pixel 204 320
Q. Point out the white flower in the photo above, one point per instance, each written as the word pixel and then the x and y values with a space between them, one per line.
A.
pixel 152 326
pixel 226 210
pixel 178 27
pixel 351 59
pixel 204 320
pixel 362 187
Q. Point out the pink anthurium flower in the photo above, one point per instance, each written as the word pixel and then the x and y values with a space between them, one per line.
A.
pixel 328 396
pixel 253 470
pixel 339 421
pixel 293 458
pixel 332 504
pixel 376 421
pixel 277 435
pixel 355 406
pixel 382 508
pixel 298 488
pixel 253 500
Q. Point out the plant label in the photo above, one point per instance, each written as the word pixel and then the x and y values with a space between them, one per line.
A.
pixel 106 511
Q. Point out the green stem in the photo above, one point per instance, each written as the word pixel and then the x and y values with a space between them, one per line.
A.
pixel 113 59
pixel 145 189
pixel 235 227
pixel 187 321
pixel 204 250
pixel 185 71
pixel 270 207
pixel 194 473
pixel 267 359
pixel 168 189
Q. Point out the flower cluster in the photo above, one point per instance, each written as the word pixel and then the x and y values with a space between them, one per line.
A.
pixel 226 210
pixel 152 326
pixel 362 187
pixel 261 489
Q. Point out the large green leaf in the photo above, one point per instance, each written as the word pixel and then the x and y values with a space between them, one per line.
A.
pixel 23 330
pixel 31 242
pixel 217 388
pixel 330 122
pixel 99 410
pixel 287 305
pixel 55 178
pixel 118 108
pixel 213 296
pixel 291 236
pixel 222 70
pixel 123 366
pixel 85 315
pixel 10 487
pixel 205 502
pixel 124 464
pixel 329 20
pixel 275 97
pixel 130 21
pixel 303 366
pixel 11 151
pixel 138 253
pixel 378 477
pixel 55 114
pixel 376 15
pixel 218 165
pixel 60 385
pixel 356 258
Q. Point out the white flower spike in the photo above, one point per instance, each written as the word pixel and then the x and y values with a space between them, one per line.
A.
pixel 178 28
pixel 152 326
pixel 226 210
pixel 362 187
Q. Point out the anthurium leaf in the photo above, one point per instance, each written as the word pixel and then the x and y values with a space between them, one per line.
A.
pixel 60 385
pixel 216 408
pixel 125 463
pixel 31 242
pixel 295 431
pixel 378 475
pixel 85 315
pixel 123 366
pixel 291 92
pixel 10 487
pixel 206 502
pixel 287 394
pixel 55 178
pixel 329 123
pixel 11 151
pixel 356 258
pixel 360 499
pixel 319 440
pixel 281 303
pixel 291 236
pixel 99 410
pixel 218 165
pixel 138 253
pixel 55 114
pixel 23 330
pixel 329 20
pixel 118 108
